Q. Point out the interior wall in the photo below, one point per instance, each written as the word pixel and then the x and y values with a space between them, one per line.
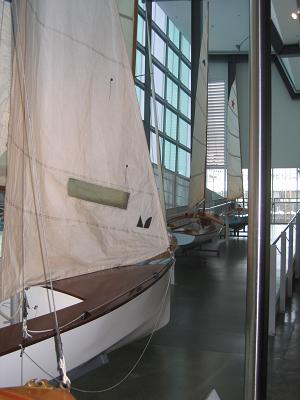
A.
pixel 217 71
pixel 285 120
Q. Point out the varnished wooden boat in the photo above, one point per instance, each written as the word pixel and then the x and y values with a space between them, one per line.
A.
pixel 192 229
pixel 111 308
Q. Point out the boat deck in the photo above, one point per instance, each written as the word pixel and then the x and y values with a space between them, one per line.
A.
pixel 101 293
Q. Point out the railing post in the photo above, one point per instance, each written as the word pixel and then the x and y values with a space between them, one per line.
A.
pixel 291 261
pixel 272 291
pixel 282 292
pixel 297 266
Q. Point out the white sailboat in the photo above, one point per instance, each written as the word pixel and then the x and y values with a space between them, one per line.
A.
pixel 85 245
pixel 191 225
pixel 237 215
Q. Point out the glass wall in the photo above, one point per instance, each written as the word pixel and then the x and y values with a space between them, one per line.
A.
pixel 171 53
pixel 285 194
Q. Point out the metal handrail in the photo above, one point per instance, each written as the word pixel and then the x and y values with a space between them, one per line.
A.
pixel 289 267
pixel 286 228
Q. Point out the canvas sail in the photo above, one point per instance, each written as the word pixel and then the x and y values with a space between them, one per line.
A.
pixel 5 82
pixel 198 167
pixel 81 196
pixel 234 165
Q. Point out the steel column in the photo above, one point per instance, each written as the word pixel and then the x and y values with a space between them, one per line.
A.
pixel 258 271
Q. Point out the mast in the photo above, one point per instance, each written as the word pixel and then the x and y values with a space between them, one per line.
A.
pixel 159 159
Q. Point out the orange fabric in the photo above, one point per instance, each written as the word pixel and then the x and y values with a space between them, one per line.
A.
pixel 29 393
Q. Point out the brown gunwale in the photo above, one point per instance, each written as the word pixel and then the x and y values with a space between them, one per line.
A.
pixel 101 292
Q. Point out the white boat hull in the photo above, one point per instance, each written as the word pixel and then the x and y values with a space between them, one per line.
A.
pixel 187 241
pixel 131 321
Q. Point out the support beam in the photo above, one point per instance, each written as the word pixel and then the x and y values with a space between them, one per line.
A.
pixel 258 261
pixel 196 38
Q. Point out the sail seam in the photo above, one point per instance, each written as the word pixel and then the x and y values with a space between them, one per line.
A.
pixel 233 89
pixel 58 32
pixel 234 113
pixel 199 141
pixel 199 174
pixel 126 16
pixel 200 107
pixel 68 173
pixel 233 155
pixel 49 217
pixel 232 134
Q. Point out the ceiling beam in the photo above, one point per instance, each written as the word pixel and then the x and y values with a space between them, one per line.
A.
pixel 228 57
pixel 282 50
pixel 277 42
pixel 290 50
pixel 285 77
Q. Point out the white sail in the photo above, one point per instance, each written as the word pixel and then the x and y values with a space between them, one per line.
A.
pixel 234 165
pixel 81 195
pixel 5 81
pixel 198 167
pixel 127 15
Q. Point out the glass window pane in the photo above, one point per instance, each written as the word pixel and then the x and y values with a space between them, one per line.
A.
pixel 141 32
pixel 141 99
pixel 173 62
pixel 140 66
pixel 183 163
pixel 182 191
pixel 173 33
pixel 172 92
pixel 141 4
pixel 184 133
pixel 153 147
pixel 169 188
pixel 170 155
pixel 171 124
pixel 159 81
pixel 186 47
pixel 160 115
pixel 158 47
pixel 159 17
pixel 185 103
pixel 185 75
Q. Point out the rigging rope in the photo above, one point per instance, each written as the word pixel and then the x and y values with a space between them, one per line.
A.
pixel 37 206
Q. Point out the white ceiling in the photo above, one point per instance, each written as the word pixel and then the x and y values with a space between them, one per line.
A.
pixel 229 21
pixel 229 26
pixel 288 28
pixel 179 11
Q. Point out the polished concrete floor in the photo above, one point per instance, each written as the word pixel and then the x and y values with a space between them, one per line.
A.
pixel 202 348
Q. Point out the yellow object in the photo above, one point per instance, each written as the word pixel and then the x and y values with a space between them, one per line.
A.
pixel 35 390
